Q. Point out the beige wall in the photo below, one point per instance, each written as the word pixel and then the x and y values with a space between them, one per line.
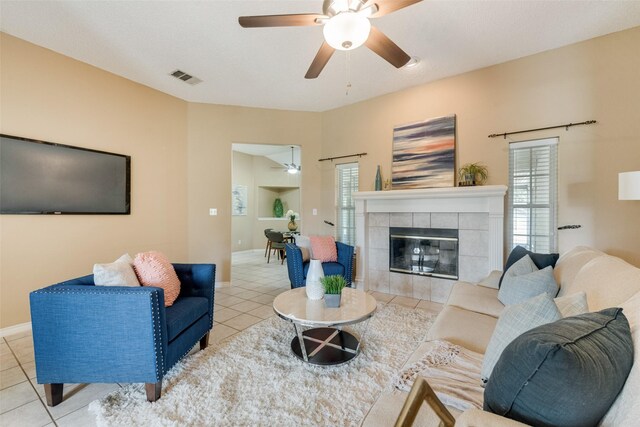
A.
pixel 45 95
pixel 597 79
pixel 211 131
pixel 51 97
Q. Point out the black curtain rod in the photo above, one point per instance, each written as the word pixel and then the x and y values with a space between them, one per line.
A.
pixel 567 126
pixel 342 157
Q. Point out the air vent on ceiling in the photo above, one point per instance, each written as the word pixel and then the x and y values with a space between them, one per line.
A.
pixel 187 78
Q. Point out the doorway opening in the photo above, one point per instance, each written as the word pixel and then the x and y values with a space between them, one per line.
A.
pixel 266 184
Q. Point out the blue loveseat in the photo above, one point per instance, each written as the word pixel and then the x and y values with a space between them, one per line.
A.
pixel 84 333
pixel 298 269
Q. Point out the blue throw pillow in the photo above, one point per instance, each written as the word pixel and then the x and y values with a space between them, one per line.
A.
pixel 565 373
pixel 540 260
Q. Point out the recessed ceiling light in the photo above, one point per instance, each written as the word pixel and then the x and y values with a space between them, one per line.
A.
pixel 412 62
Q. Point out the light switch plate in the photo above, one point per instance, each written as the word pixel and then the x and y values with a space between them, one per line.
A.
pixel 315 211
pixel 213 211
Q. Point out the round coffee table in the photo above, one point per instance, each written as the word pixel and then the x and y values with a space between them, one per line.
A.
pixel 324 342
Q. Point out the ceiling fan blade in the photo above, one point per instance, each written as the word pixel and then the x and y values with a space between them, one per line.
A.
pixel 304 19
pixel 385 7
pixel 321 59
pixel 386 48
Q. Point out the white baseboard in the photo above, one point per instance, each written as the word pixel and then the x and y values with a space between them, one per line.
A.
pixel 15 329
pixel 223 284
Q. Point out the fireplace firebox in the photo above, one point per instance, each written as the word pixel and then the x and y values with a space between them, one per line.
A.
pixel 424 251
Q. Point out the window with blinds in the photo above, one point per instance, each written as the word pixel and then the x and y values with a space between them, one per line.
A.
pixel 346 184
pixel 533 182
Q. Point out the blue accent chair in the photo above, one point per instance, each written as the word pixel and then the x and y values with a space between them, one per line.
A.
pixel 84 333
pixel 298 269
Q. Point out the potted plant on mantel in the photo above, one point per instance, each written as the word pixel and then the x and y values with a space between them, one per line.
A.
pixel 333 286
pixel 472 174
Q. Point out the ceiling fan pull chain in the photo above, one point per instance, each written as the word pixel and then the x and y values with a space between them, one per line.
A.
pixel 348 66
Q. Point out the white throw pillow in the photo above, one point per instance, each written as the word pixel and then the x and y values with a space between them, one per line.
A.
pixel 305 253
pixel 523 280
pixel 126 258
pixel 572 305
pixel 515 320
pixel 625 410
pixel 304 242
pixel 118 273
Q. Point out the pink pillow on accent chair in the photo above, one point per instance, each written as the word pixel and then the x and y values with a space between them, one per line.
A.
pixel 154 269
pixel 324 248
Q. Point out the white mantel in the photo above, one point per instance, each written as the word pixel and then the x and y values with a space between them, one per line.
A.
pixel 488 199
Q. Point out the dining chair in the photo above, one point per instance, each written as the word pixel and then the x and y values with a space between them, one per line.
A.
pixel 268 248
pixel 276 242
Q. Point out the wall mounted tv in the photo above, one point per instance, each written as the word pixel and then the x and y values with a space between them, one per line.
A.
pixel 38 177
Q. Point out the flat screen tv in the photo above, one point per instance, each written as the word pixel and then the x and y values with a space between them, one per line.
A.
pixel 38 177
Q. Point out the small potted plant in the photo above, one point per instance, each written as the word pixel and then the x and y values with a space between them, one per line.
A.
pixel 472 174
pixel 333 286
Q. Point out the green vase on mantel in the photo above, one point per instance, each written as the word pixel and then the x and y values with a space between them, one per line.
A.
pixel 378 185
pixel 278 209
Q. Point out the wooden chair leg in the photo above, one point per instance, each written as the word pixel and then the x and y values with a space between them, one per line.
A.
pixel 204 341
pixel 153 390
pixel 269 257
pixel 282 257
pixel 267 248
pixel 53 393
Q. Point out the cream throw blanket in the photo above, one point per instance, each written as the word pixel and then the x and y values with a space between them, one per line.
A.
pixel 452 371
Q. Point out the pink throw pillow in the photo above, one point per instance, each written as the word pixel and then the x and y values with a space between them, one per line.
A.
pixel 154 269
pixel 324 248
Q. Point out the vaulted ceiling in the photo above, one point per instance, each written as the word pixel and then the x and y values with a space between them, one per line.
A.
pixel 264 67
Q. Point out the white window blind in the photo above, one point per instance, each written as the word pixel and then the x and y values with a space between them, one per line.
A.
pixel 346 184
pixel 533 183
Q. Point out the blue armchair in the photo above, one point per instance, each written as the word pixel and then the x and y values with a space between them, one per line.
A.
pixel 84 333
pixel 298 269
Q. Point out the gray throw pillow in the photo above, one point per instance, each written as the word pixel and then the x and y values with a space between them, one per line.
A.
pixel 572 305
pixel 540 260
pixel 515 320
pixel 523 280
pixel 566 373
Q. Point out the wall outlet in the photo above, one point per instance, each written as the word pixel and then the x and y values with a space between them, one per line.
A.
pixel 315 211
pixel 213 211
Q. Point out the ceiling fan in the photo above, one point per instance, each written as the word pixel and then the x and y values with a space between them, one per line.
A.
pixel 346 27
pixel 291 168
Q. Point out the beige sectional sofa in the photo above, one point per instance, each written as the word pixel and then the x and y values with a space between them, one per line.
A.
pixel 472 310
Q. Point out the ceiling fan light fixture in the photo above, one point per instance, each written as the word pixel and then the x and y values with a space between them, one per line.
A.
pixel 412 62
pixel 347 30
pixel 292 170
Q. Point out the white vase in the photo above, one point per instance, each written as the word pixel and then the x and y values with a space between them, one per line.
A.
pixel 315 290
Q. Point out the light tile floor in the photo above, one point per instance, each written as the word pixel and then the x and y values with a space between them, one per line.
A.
pixel 247 301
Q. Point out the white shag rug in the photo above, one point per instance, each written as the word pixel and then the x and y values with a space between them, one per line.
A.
pixel 253 379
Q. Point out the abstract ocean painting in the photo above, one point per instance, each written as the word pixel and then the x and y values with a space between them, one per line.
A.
pixel 424 154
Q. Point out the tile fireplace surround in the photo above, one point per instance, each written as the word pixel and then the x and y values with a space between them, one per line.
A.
pixel 477 213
